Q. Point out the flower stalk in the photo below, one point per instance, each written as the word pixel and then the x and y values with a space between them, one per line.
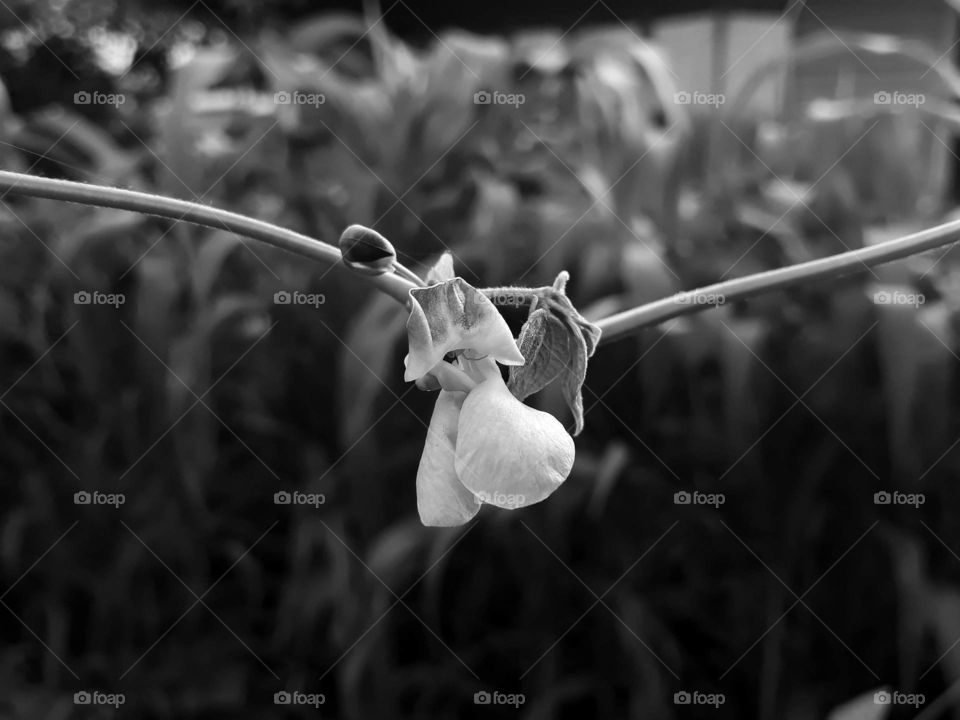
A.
pixel 398 283
pixel 846 263
pixel 110 197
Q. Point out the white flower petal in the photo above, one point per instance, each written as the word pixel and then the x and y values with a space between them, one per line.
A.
pixel 453 315
pixel 441 499
pixel 508 454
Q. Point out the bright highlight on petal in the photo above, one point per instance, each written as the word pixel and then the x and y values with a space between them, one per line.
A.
pixel 441 499
pixel 508 454
pixel 453 315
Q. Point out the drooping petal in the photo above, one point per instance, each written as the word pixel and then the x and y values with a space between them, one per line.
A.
pixel 508 454
pixel 441 499
pixel 453 315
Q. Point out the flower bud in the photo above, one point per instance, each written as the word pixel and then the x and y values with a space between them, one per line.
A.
pixel 366 251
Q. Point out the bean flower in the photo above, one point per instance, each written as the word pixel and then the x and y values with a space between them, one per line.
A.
pixel 483 445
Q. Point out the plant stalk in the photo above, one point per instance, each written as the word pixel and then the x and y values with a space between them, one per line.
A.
pixel 847 263
pixel 121 199
pixel 398 285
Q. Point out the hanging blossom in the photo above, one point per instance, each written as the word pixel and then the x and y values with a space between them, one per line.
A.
pixel 483 444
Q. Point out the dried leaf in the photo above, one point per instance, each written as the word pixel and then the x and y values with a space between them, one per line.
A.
pixel 556 341
pixel 543 343
pixel 573 376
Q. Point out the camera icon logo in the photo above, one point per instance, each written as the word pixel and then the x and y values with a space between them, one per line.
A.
pixel 882 498
pixel 81 298
pixel 82 497
pixel 281 297
pixel 482 698
pixel 282 498
pixel 282 698
pixel 282 98
pixel 681 698
pixel 81 698
pixel 682 98
pixel 481 97
pixel 81 98
pixel 681 498
pixel 882 98
pixel 881 697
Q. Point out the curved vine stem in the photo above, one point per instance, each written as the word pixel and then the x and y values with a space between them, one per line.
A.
pixel 397 285
pixel 847 263
pixel 394 285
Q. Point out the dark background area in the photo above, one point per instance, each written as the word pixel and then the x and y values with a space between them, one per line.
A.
pixel 198 398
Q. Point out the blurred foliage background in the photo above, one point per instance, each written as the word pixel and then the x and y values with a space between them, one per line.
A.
pixel 199 397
